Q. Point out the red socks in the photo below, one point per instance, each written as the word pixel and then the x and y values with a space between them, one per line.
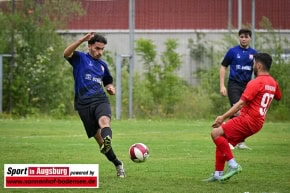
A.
pixel 223 153
pixel 220 160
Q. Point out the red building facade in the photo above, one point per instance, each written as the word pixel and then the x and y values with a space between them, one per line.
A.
pixel 179 14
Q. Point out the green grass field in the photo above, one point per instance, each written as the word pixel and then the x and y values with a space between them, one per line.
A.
pixel 181 155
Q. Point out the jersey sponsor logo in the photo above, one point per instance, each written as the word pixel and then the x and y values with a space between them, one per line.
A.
pixel 88 77
pixel 239 67
pixel 51 176
pixel 95 79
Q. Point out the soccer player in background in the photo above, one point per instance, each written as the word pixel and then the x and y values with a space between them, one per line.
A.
pixel 253 106
pixel 91 75
pixel 240 59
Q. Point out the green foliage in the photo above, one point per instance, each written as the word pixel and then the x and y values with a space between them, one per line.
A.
pixel 272 43
pixel 37 79
pixel 147 50
pixel 207 60
pixel 161 79
pixel 144 105
pixel 269 42
pixel 158 92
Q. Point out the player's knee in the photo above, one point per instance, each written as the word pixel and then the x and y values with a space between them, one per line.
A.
pixel 104 121
pixel 215 133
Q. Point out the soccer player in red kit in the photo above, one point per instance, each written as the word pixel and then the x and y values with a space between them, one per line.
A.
pixel 253 106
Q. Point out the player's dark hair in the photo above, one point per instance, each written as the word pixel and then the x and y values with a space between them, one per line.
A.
pixel 265 59
pixel 97 38
pixel 245 31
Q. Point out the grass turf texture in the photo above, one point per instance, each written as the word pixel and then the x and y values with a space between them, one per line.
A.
pixel 181 155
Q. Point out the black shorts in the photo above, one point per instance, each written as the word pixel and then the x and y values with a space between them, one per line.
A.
pixel 91 115
pixel 235 92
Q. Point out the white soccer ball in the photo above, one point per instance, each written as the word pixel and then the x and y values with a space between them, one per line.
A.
pixel 138 152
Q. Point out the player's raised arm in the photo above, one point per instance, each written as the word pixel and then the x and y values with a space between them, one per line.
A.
pixel 68 52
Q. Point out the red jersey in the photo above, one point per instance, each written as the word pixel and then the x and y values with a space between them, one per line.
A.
pixel 258 96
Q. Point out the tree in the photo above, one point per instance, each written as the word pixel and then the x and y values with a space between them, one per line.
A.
pixel 38 79
pixel 160 78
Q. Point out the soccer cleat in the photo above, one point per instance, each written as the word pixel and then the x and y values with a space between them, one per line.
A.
pixel 121 171
pixel 242 145
pixel 212 178
pixel 230 173
pixel 107 145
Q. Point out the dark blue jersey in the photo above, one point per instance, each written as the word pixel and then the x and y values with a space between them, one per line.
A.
pixel 89 75
pixel 241 63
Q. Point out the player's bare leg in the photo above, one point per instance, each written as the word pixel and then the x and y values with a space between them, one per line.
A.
pixel 104 139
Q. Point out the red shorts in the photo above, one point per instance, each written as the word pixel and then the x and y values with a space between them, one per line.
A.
pixel 237 130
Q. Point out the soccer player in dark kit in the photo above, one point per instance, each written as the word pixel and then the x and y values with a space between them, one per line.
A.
pixel 91 76
pixel 240 60
pixel 253 106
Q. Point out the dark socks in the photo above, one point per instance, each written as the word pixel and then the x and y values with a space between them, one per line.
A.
pixel 106 131
pixel 112 157
pixel 110 154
